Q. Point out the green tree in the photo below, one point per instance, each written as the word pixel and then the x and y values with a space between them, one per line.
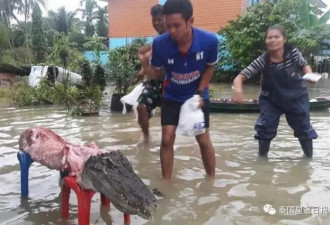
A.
pixel 37 35
pixel 86 72
pixel 8 8
pixel 244 37
pixel 89 15
pixel 62 20
pixel 18 35
pixel 76 35
pixel 3 40
pixel 102 22
pixel 22 42
pixel 28 6
pixel 99 76
pixel 96 45
pixel 3 36
pixel 314 28
pixel 64 53
pixel 124 65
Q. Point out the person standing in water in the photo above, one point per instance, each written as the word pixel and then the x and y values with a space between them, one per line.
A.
pixel 150 97
pixel 188 56
pixel 282 91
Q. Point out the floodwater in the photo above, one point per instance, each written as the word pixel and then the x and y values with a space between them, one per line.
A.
pixel 296 189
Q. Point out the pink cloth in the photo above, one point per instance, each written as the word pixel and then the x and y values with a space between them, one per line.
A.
pixel 51 150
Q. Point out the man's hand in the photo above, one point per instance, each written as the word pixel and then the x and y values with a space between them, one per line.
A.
pixel 238 96
pixel 140 76
pixel 144 54
pixel 201 103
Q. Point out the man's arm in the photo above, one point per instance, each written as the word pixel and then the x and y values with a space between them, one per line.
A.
pixel 206 78
pixel 144 54
pixel 211 61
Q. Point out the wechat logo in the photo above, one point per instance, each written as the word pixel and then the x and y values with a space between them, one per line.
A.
pixel 269 209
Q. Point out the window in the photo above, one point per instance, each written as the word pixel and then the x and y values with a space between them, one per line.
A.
pixel 252 2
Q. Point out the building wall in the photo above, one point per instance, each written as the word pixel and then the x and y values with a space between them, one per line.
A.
pixel 91 56
pixel 211 15
pixel 6 79
pixel 130 19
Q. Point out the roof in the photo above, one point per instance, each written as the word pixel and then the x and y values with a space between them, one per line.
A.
pixel 7 68
pixel 320 3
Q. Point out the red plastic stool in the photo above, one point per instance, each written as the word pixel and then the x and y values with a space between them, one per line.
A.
pixel 84 201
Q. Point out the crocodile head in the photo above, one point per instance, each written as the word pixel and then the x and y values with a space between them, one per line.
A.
pixel 112 175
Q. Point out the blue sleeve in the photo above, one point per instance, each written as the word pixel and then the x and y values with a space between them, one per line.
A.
pixel 156 60
pixel 212 57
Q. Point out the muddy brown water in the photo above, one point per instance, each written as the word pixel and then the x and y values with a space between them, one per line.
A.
pixel 297 189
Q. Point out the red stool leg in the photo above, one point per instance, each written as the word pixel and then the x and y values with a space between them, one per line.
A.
pixel 65 201
pixel 84 201
pixel 127 218
pixel 84 206
pixel 104 200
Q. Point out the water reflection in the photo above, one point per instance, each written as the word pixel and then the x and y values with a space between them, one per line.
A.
pixel 242 186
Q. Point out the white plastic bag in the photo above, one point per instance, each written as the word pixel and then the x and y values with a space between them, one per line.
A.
pixel 191 119
pixel 312 77
pixel 36 75
pixel 132 98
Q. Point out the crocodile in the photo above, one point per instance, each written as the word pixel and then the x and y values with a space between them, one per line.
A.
pixel 107 172
pixel 112 175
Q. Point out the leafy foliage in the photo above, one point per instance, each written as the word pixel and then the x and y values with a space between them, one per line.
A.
pixel 313 29
pixel 39 39
pixel 124 65
pixel 24 95
pixel 86 72
pixel 62 20
pixel 37 35
pixel 244 37
pixel 76 99
pixel 99 77
pixel 96 45
pixel 63 53
pixel 102 22
pixel 89 14
pixel 3 38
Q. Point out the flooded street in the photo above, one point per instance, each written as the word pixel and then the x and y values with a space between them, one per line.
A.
pixel 297 188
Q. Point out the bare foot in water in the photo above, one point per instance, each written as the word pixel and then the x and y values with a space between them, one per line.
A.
pixel 146 139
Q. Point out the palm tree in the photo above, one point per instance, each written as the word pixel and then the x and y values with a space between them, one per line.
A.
pixel 8 9
pixel 28 6
pixel 62 20
pixel 102 22
pixel 7 12
pixel 90 14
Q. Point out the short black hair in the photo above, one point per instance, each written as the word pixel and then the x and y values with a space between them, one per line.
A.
pixel 179 6
pixel 157 10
